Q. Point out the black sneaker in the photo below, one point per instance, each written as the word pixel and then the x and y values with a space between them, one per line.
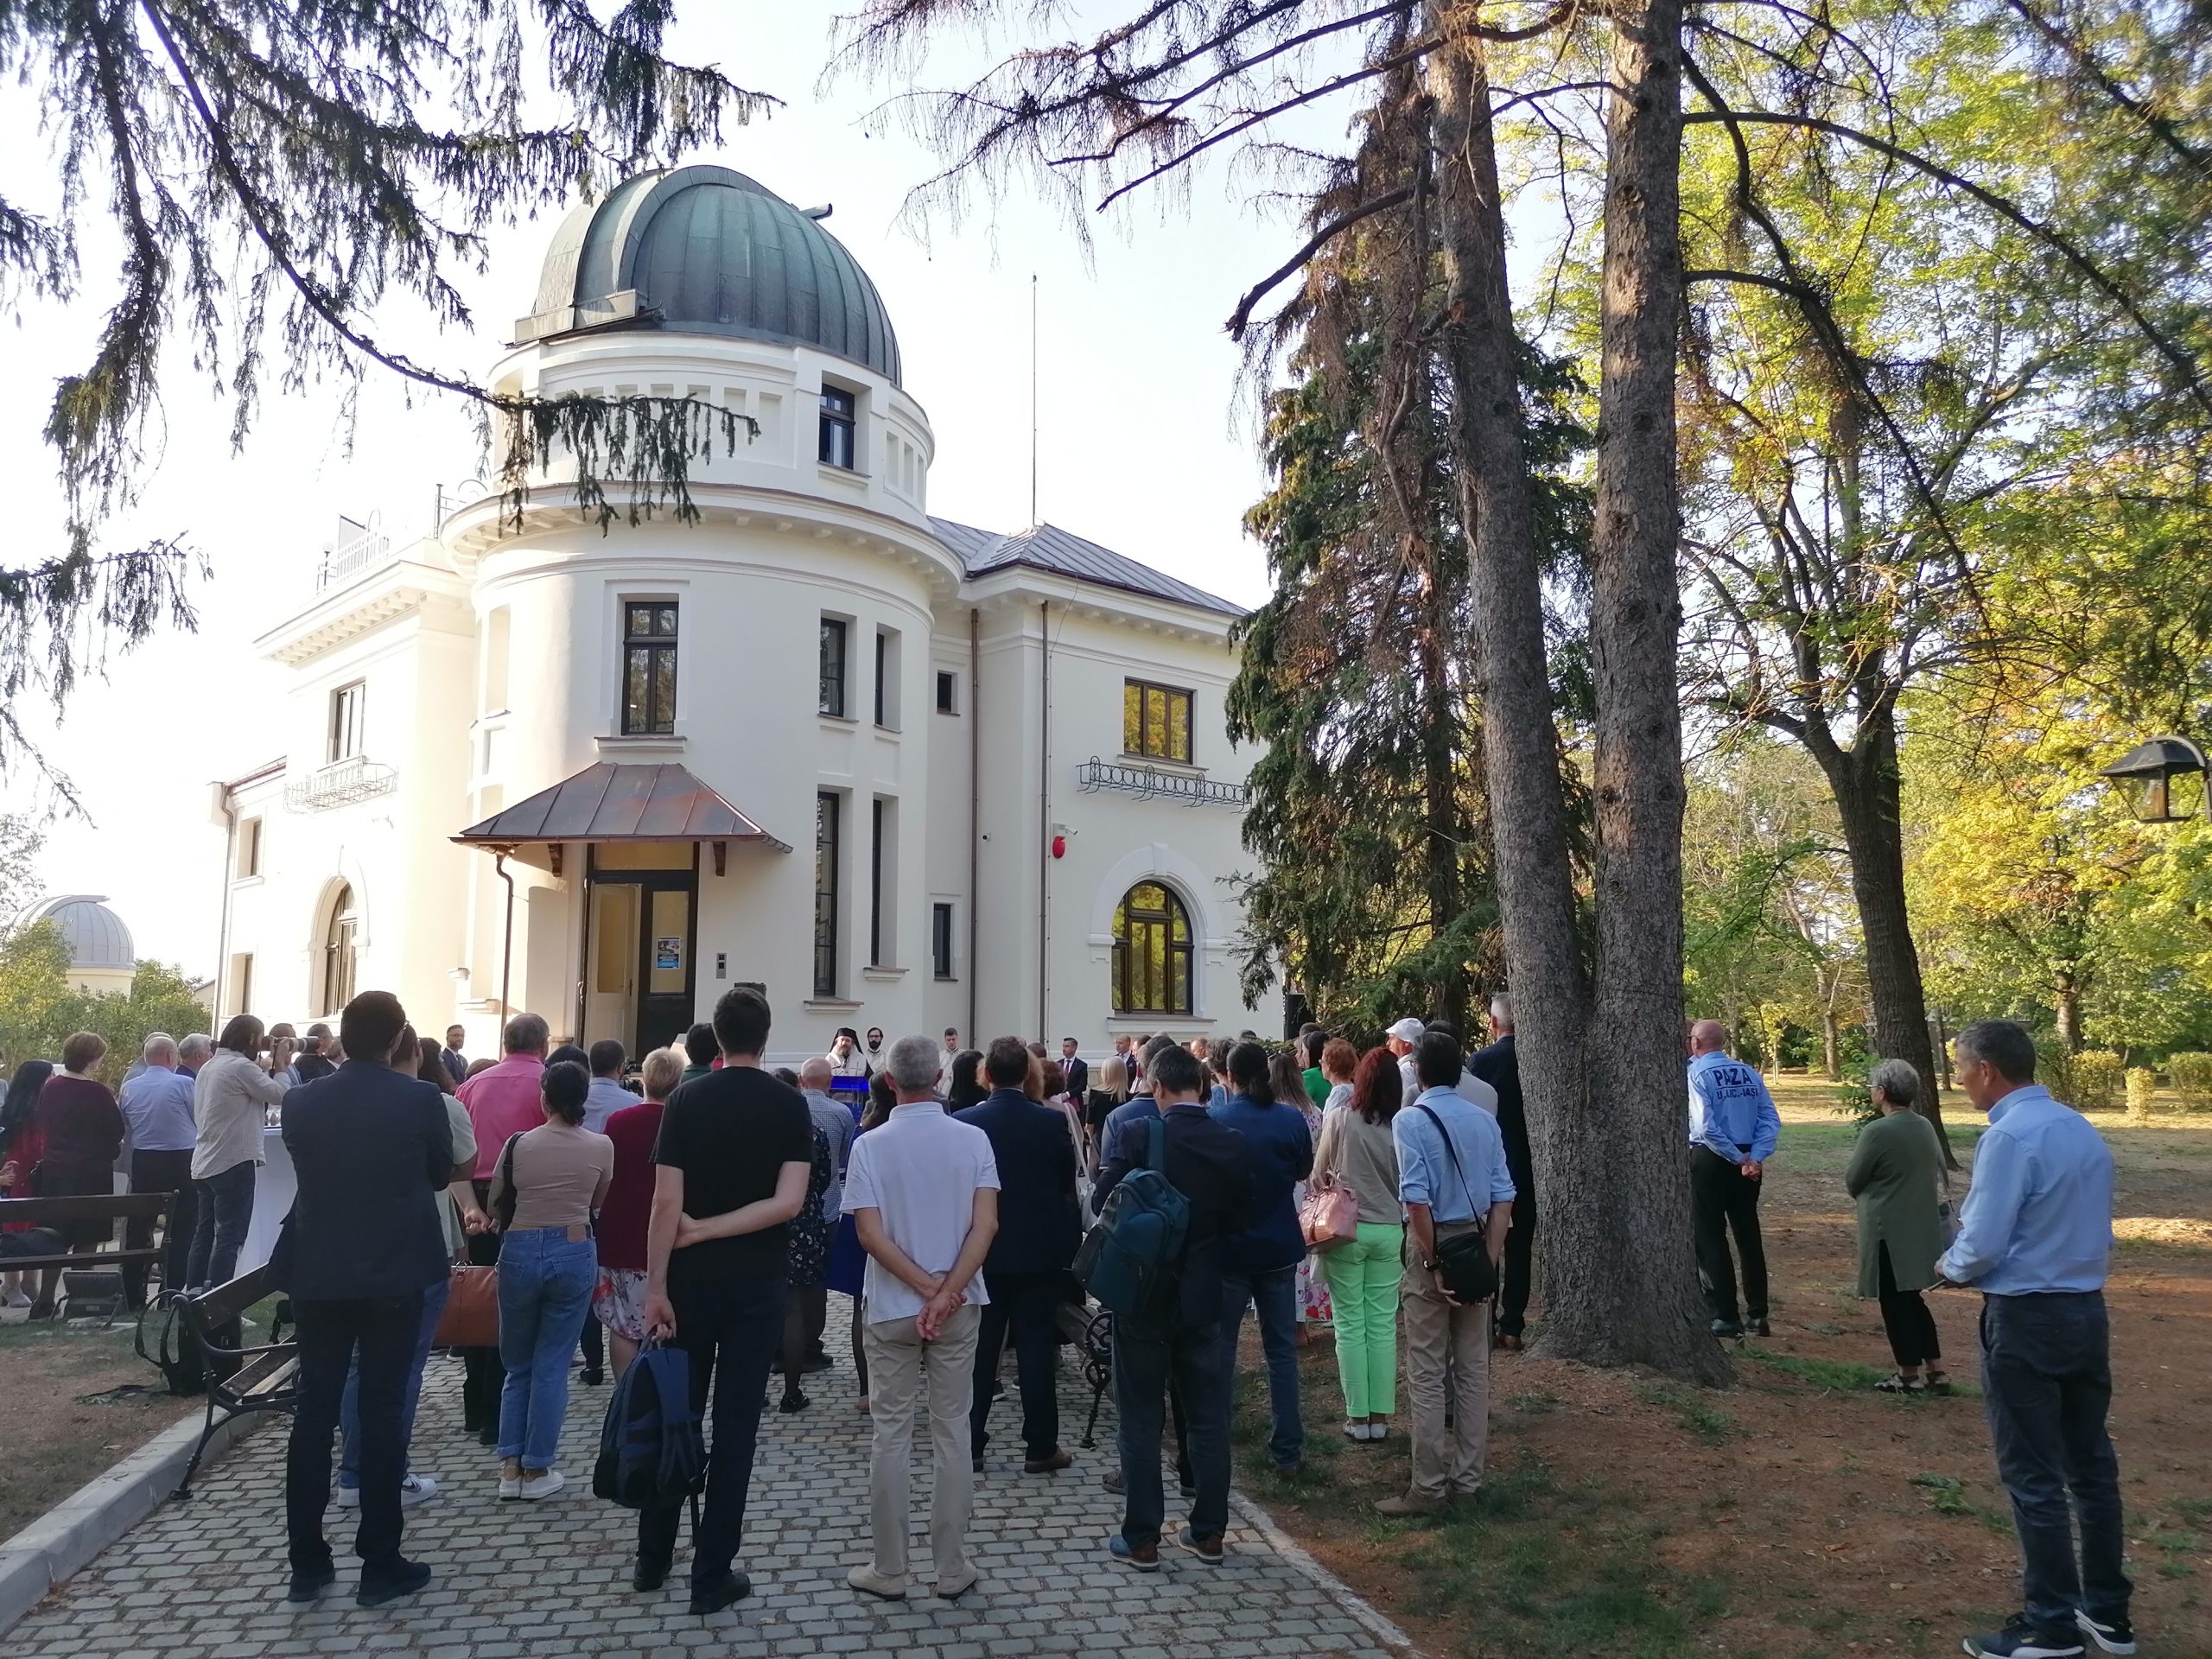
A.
pixel 1759 1327
pixel 593 1376
pixel 793 1402
pixel 307 1585
pixel 816 1361
pixel 402 1578
pixel 2021 1640
pixel 712 1596
pixel 648 1575
pixel 2118 1636
pixel 1727 1330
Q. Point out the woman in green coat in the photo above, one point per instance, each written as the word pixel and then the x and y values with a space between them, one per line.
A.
pixel 1897 1176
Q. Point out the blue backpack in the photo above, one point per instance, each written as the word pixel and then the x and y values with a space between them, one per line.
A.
pixel 651 1450
pixel 1135 1249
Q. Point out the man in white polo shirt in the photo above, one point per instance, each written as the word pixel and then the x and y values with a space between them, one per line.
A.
pixel 923 1193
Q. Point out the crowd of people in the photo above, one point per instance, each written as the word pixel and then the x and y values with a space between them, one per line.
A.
pixel 946 1190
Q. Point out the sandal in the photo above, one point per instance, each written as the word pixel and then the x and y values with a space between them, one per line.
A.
pixel 1898 1383
pixel 1939 1382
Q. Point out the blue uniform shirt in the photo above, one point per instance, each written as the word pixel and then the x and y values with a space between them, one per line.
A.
pixel 2038 1215
pixel 1731 1112
pixel 1425 1171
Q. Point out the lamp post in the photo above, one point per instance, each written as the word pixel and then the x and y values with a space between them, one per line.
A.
pixel 2146 776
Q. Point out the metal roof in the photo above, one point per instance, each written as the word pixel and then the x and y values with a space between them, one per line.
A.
pixel 1047 547
pixel 608 802
pixel 706 250
pixel 95 934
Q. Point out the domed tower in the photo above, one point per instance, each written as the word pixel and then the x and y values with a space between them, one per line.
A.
pixel 101 957
pixel 762 672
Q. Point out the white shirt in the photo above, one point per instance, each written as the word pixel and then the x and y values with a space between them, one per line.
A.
pixel 1469 1088
pixel 854 1065
pixel 919 1171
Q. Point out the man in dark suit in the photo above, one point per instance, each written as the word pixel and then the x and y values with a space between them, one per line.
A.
pixel 1077 1069
pixel 1499 1066
pixel 1209 1164
pixel 372 1151
pixel 1026 1271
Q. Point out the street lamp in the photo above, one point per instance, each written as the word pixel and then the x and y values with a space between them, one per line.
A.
pixel 2146 775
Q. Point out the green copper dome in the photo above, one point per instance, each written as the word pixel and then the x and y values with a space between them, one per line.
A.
pixel 704 249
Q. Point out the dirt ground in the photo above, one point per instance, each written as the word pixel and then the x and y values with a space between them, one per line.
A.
pixel 1796 1514
pixel 59 1423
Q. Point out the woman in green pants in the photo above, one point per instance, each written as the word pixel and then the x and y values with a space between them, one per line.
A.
pixel 1356 1149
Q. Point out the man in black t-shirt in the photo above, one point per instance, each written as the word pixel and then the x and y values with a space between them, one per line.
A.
pixel 735 1152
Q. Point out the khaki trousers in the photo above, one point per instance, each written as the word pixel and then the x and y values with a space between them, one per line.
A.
pixel 1447 1352
pixel 905 1372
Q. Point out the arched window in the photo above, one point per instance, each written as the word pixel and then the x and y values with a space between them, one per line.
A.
pixel 338 950
pixel 1152 952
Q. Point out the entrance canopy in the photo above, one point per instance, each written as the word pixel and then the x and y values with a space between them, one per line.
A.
pixel 611 802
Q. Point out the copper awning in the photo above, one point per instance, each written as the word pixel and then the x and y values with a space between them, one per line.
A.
pixel 607 801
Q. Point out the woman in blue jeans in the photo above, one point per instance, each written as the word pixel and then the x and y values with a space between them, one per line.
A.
pixel 557 1173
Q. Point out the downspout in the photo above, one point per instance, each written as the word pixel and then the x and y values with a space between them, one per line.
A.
pixel 974 796
pixel 223 936
pixel 1044 800
pixel 507 947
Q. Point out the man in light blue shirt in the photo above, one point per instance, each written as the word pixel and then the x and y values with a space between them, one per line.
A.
pixel 2034 1238
pixel 1453 1182
pixel 606 1095
pixel 156 1106
pixel 1733 1129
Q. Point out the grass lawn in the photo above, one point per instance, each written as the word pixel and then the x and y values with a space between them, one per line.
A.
pixel 1796 1514
pixel 64 1422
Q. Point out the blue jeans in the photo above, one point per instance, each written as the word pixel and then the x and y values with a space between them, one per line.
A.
pixel 1274 1294
pixel 1143 1365
pixel 2046 1383
pixel 225 1210
pixel 349 1408
pixel 545 1280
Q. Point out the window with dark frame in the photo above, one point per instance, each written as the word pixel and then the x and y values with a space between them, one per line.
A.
pixel 825 894
pixel 648 668
pixel 838 412
pixel 941 941
pixel 348 714
pixel 249 848
pixel 875 886
pixel 1155 721
pixel 946 684
pixel 833 667
pixel 1152 952
pixel 882 660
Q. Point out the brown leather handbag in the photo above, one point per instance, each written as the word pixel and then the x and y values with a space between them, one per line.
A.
pixel 470 1318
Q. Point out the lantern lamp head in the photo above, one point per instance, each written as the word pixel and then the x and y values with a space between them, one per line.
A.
pixel 2162 779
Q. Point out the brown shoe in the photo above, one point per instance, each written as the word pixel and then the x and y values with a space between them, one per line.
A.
pixel 1409 1503
pixel 1510 1344
pixel 1058 1459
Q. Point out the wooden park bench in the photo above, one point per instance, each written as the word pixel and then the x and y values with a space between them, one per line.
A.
pixel 1089 1331
pixel 66 1214
pixel 240 1379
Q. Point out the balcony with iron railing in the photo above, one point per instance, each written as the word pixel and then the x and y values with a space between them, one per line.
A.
pixel 343 783
pixel 1151 784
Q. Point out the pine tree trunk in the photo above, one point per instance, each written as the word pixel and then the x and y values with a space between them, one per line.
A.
pixel 1441 855
pixel 1867 787
pixel 1604 1116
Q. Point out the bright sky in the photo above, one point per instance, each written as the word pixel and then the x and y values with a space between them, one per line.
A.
pixel 1147 444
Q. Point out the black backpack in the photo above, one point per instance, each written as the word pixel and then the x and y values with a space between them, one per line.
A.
pixel 651 1449
pixel 165 1341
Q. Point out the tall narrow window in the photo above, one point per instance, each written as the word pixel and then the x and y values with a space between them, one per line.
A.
pixel 241 983
pixel 338 951
pixel 882 657
pixel 946 682
pixel 875 885
pixel 249 848
pixel 649 668
pixel 941 941
pixel 833 667
pixel 825 895
pixel 1152 952
pixel 349 714
pixel 836 427
pixel 1155 721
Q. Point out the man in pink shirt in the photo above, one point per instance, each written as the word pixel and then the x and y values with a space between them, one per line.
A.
pixel 503 1100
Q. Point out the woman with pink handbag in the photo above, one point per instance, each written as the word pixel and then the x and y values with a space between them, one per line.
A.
pixel 1357 1156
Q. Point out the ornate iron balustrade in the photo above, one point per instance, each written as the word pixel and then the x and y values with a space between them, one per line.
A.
pixel 348 781
pixel 358 547
pixel 1148 783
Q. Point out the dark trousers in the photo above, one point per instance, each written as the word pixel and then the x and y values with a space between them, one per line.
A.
pixel 380 1332
pixel 1194 1362
pixel 1723 1199
pixel 593 1344
pixel 730 1330
pixel 1520 1258
pixel 1906 1318
pixel 2046 1383
pixel 223 1212
pixel 483 1374
pixel 160 1171
pixel 1027 1304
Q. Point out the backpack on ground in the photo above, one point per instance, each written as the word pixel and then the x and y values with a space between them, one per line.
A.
pixel 163 1339
pixel 1133 1251
pixel 651 1449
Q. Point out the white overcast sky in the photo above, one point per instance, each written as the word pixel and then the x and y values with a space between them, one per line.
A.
pixel 1146 443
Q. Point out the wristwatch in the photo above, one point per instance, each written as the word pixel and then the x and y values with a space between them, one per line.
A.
pixel 1430 1263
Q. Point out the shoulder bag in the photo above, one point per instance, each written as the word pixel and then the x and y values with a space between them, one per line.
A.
pixel 1463 1262
pixel 470 1318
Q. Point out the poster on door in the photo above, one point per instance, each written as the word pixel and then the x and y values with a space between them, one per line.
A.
pixel 668 953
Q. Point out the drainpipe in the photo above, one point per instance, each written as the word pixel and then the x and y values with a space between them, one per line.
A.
pixel 507 948
pixel 975 795
pixel 223 938
pixel 1044 799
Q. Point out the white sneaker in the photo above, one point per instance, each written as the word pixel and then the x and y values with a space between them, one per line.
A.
pixel 19 1299
pixel 349 1498
pixel 510 1485
pixel 417 1489
pixel 544 1483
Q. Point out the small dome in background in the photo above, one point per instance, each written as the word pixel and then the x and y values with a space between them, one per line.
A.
pixel 706 250
pixel 96 935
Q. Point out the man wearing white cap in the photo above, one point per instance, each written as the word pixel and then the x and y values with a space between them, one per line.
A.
pixel 1400 1039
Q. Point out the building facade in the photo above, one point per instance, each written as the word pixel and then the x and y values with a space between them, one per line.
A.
pixel 896 771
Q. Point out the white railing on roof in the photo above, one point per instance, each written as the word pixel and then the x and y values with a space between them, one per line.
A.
pixel 357 547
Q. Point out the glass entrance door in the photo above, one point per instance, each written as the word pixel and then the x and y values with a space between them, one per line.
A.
pixel 665 966
pixel 640 979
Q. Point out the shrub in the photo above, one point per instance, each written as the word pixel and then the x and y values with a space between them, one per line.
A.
pixel 2142 1082
pixel 2098 1081
pixel 2192 1080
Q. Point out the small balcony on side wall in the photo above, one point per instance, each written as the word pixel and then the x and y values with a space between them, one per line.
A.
pixel 1149 783
pixel 340 784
